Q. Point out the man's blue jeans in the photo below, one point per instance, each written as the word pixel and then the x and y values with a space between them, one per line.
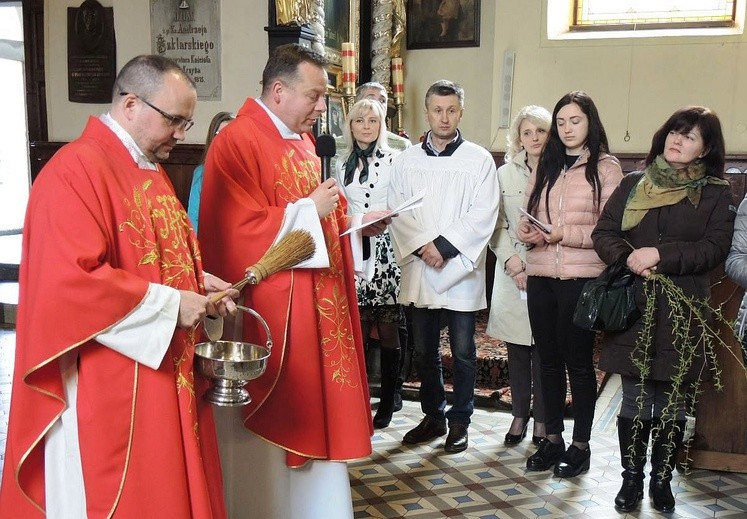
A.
pixel 426 328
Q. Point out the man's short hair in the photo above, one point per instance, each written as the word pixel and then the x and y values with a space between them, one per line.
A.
pixel 284 61
pixel 143 75
pixel 371 85
pixel 444 87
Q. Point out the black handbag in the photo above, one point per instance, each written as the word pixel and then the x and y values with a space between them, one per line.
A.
pixel 607 303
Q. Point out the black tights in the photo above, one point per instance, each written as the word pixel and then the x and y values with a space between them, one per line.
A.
pixel 562 347
pixel 388 333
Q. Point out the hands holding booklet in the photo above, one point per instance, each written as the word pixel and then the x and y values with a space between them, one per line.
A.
pixel 545 228
pixel 411 203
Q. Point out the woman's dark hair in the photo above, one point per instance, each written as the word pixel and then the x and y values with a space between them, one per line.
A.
pixel 218 119
pixel 684 120
pixel 552 161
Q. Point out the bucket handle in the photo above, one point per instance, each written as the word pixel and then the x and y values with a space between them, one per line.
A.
pixel 262 322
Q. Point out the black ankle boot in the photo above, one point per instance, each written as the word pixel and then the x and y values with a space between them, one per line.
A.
pixel 547 455
pixel 389 373
pixel 633 446
pixel 666 445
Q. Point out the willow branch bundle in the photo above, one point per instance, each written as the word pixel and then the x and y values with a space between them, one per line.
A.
pixel 293 248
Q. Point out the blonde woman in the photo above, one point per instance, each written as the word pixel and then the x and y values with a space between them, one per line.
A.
pixel 363 171
pixel 509 320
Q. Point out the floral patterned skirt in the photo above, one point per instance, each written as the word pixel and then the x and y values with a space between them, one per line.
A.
pixel 384 287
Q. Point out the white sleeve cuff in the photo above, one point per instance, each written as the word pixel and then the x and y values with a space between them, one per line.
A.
pixel 302 215
pixel 145 334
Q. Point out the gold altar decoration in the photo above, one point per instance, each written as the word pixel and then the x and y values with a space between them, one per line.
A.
pixel 293 12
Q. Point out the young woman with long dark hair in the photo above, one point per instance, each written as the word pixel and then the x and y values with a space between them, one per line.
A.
pixel 573 181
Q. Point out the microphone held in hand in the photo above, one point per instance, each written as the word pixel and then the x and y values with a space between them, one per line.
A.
pixel 325 149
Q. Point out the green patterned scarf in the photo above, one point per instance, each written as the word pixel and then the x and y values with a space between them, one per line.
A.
pixel 356 155
pixel 662 185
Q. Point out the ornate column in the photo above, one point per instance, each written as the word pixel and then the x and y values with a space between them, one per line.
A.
pixel 381 41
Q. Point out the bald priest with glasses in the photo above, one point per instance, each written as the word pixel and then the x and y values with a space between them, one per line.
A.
pixel 107 416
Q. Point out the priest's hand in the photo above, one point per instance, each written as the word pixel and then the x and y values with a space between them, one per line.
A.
pixel 225 305
pixel 193 307
pixel 429 253
pixel 326 197
pixel 376 228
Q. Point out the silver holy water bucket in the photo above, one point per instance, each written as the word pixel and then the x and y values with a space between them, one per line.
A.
pixel 231 364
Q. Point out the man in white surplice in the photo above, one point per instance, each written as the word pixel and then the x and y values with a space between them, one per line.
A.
pixel 441 248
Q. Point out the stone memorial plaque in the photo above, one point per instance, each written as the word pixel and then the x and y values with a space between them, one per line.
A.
pixel 91 53
pixel 188 31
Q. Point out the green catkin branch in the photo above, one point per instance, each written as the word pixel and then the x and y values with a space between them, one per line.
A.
pixel 693 334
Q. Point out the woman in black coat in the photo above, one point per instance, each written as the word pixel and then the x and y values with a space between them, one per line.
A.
pixel 673 218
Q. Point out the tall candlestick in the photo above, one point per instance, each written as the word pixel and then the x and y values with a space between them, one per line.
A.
pixel 398 79
pixel 348 67
pixel 398 91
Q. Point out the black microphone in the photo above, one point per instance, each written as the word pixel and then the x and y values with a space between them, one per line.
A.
pixel 325 149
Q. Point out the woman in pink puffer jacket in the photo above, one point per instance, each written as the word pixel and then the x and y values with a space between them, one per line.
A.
pixel 574 179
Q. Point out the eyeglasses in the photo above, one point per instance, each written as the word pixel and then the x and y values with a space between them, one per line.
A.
pixel 175 121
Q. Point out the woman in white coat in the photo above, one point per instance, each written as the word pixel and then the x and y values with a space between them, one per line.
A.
pixel 363 171
pixel 509 320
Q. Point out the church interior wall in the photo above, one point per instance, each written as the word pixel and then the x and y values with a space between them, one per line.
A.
pixel 665 73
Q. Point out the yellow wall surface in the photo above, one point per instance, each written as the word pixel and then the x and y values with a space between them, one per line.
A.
pixel 636 83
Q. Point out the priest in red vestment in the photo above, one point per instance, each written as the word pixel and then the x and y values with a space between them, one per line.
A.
pixel 107 417
pixel 262 178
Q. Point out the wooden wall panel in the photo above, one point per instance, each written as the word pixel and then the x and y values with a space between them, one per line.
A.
pixel 185 157
pixel 180 166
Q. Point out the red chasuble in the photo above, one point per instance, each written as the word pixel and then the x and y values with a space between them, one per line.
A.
pixel 97 230
pixel 313 399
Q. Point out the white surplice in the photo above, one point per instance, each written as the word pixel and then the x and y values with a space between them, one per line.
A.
pixel 460 204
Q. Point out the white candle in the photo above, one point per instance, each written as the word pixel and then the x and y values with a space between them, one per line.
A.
pixel 348 66
pixel 398 79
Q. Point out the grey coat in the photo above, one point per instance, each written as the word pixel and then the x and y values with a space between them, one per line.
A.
pixel 736 263
pixel 691 242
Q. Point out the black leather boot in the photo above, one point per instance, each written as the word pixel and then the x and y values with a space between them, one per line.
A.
pixel 665 447
pixel 633 445
pixel 401 368
pixel 389 373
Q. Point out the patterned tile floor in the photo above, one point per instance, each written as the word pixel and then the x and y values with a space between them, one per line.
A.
pixel 488 480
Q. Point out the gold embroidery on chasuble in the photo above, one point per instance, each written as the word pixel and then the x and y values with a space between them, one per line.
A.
pixel 297 177
pixel 338 344
pixel 156 224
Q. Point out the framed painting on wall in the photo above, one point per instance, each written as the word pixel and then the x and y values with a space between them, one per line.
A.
pixel 438 24
pixel 335 115
pixel 341 25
